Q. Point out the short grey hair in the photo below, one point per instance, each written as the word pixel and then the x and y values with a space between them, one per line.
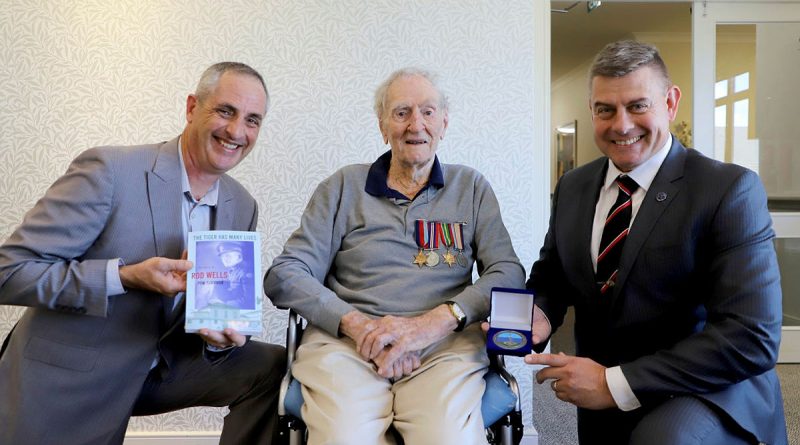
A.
pixel 623 57
pixel 383 88
pixel 210 78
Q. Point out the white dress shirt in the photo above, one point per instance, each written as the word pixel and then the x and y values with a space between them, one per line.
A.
pixel 643 175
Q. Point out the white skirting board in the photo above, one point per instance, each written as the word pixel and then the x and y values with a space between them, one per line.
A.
pixel 531 437
pixel 172 438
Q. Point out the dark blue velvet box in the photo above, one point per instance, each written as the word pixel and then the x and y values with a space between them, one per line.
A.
pixel 510 322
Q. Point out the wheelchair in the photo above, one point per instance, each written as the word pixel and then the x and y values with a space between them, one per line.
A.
pixel 500 406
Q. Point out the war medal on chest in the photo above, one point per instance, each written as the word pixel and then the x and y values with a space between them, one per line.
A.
pixel 446 234
pixel 422 238
pixel 429 234
pixel 458 242
pixel 433 256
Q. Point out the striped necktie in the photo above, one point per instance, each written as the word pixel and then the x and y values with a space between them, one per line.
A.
pixel 615 232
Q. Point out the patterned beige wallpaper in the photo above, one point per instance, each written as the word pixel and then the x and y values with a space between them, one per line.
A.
pixel 81 73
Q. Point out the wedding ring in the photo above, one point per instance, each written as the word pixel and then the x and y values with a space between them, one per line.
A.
pixel 554 385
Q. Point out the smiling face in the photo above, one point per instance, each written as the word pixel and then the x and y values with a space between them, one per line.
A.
pixel 222 128
pixel 230 258
pixel 413 121
pixel 631 115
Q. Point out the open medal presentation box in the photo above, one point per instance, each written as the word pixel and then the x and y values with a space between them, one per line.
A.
pixel 510 322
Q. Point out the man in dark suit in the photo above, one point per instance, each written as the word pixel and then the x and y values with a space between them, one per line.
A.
pixel 677 314
pixel 97 261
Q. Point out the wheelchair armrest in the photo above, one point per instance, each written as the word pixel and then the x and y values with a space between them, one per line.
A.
pixel 294 331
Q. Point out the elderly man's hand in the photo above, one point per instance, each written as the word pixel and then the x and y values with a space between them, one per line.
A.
pixel 406 334
pixel 356 325
pixel 577 380
pixel 403 366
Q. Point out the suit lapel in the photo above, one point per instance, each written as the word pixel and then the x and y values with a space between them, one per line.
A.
pixel 579 212
pixel 662 192
pixel 164 191
pixel 587 205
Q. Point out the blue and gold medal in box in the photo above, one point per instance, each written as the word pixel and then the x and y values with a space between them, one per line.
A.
pixel 510 321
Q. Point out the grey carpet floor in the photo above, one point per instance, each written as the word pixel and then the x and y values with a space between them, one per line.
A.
pixel 555 421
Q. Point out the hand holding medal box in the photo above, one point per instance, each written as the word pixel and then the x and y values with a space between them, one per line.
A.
pixel 510 322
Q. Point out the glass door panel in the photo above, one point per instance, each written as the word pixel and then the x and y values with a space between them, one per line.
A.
pixel 746 65
pixel 759 64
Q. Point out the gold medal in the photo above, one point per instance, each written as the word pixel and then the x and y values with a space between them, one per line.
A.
pixel 421 236
pixel 420 259
pixel 446 233
pixel 449 258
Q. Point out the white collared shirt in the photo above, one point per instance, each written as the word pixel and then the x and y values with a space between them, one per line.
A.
pixel 643 175
pixel 195 215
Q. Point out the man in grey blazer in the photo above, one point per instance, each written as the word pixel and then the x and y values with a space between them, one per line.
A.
pixel 677 337
pixel 97 261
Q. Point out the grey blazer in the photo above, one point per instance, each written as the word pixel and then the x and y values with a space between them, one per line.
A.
pixel 697 306
pixel 76 360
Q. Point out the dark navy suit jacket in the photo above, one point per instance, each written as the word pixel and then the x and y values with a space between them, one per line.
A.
pixel 697 305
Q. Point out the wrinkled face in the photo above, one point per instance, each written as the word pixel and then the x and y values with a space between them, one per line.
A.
pixel 231 258
pixel 631 115
pixel 413 121
pixel 223 128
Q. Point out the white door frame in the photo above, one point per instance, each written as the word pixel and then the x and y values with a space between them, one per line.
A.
pixel 705 17
pixel 787 225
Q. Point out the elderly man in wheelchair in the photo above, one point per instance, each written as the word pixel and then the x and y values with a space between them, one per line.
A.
pixel 381 267
pixel 500 405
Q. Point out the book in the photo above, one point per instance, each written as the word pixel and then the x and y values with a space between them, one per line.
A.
pixel 224 288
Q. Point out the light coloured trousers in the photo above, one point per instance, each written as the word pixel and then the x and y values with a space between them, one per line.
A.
pixel 347 402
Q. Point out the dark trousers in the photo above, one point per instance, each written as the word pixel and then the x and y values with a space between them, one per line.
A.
pixel 684 420
pixel 246 381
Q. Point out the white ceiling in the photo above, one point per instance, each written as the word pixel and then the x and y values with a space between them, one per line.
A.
pixel 578 35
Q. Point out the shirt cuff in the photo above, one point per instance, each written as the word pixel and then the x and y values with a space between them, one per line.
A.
pixel 113 283
pixel 620 389
pixel 547 319
pixel 212 348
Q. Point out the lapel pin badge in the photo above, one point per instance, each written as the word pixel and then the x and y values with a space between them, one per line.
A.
pixel 661 196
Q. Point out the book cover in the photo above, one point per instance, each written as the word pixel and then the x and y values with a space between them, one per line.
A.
pixel 224 288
